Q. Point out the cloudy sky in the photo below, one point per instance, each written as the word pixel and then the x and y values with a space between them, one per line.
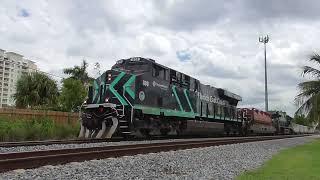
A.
pixel 214 41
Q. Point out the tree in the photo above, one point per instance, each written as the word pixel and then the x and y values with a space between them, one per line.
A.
pixel 36 90
pixel 301 119
pixel 308 98
pixel 72 95
pixel 97 67
pixel 79 73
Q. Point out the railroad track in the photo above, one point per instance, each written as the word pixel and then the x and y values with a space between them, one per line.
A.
pixel 84 141
pixel 50 142
pixel 34 159
pixel 80 141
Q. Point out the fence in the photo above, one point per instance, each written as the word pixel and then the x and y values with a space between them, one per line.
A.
pixel 57 116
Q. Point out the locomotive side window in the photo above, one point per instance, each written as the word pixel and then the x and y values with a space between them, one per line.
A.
pixel 178 75
pixel 159 72
pixel 195 85
pixel 191 84
pixel 185 81
pixel 173 77
pixel 166 77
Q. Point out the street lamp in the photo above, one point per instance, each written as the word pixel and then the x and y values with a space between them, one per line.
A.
pixel 265 40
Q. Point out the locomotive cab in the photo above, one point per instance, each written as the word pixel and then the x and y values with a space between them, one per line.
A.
pixel 111 99
pixel 133 65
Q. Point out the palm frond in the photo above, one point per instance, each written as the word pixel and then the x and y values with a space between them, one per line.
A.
pixel 309 88
pixel 68 70
pixel 315 58
pixel 84 65
pixel 305 106
pixel 310 70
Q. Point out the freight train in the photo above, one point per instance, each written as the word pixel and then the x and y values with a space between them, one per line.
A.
pixel 139 98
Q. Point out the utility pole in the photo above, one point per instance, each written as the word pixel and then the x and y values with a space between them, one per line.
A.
pixel 265 40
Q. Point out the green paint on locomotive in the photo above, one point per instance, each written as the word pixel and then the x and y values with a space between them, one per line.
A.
pixel 111 87
pixel 127 86
pixel 166 112
pixel 176 96
pixel 188 100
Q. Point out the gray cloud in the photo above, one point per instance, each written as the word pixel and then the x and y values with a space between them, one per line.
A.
pixel 220 39
pixel 282 9
pixel 189 14
pixel 217 70
pixel 193 14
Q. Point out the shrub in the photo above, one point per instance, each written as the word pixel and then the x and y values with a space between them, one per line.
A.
pixel 35 129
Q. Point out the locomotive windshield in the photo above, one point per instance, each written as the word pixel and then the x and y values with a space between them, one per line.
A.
pixel 132 65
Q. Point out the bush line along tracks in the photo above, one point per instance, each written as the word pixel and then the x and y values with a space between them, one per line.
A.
pixel 33 159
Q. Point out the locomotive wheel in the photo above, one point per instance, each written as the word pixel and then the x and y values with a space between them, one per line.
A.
pixel 164 132
pixel 145 132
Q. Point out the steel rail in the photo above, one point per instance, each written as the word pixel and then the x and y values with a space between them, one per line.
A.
pixel 34 159
pixel 81 141
pixel 84 141
pixel 50 142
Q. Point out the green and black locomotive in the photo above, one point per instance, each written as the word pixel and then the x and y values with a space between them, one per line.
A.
pixel 139 97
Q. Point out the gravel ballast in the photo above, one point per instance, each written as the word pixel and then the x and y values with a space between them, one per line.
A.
pixel 70 146
pixel 219 162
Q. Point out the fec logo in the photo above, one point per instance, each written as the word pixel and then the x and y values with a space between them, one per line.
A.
pixel 142 96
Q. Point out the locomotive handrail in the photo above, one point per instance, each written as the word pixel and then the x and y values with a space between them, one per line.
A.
pixel 131 115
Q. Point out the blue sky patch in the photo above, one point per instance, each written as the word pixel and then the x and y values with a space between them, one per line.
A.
pixel 24 13
pixel 183 55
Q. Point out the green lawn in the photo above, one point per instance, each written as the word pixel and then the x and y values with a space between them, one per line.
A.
pixel 301 162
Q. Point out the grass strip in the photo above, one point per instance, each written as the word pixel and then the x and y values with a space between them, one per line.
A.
pixel 35 129
pixel 301 162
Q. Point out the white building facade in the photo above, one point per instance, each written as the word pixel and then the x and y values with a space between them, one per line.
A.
pixel 12 66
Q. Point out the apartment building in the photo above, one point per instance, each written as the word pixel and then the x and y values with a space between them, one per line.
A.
pixel 12 66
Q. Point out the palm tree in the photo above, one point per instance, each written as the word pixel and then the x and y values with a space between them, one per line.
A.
pixel 309 95
pixel 36 90
pixel 79 73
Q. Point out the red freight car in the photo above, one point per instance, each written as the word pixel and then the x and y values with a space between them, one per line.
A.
pixel 256 116
pixel 256 121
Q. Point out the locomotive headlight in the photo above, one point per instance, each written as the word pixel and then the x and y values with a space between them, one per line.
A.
pixel 106 100
pixel 109 77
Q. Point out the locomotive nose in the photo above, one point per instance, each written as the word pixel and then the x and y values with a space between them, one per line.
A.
pixel 113 86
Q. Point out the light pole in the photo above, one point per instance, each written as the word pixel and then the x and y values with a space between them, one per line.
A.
pixel 265 40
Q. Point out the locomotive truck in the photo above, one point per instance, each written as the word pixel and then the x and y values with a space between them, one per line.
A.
pixel 139 97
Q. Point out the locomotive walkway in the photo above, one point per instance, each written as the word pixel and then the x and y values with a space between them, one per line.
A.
pixel 33 159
